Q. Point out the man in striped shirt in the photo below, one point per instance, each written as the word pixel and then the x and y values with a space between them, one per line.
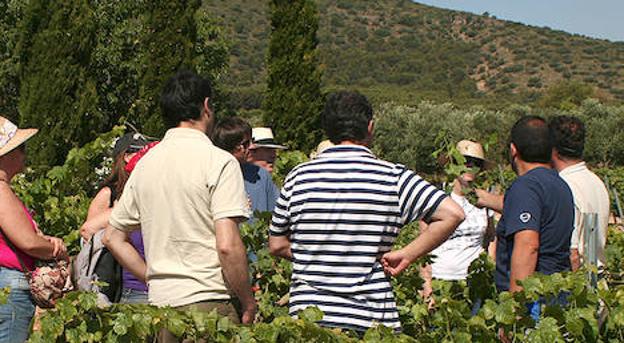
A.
pixel 338 216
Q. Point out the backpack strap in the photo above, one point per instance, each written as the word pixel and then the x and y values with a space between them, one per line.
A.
pixel 90 253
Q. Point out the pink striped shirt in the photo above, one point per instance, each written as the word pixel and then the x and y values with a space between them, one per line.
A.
pixel 8 259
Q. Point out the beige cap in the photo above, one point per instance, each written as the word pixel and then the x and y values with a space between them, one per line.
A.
pixel 470 148
pixel 11 137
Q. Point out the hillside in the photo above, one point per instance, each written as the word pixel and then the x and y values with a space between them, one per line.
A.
pixel 404 51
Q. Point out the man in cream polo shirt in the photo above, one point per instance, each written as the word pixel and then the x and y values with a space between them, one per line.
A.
pixel 187 197
pixel 590 193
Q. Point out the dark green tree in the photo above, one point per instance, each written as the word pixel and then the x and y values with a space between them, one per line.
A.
pixel 9 60
pixel 293 102
pixel 168 45
pixel 86 66
pixel 58 93
pixel 131 66
pixel 116 57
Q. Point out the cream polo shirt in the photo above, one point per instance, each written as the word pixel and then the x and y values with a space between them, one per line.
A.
pixel 175 194
pixel 590 196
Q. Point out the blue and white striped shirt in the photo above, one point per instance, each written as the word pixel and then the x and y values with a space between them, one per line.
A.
pixel 342 211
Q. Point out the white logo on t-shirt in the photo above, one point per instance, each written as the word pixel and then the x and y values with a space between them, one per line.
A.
pixel 525 217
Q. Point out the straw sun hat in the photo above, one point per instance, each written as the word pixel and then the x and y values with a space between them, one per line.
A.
pixel 470 148
pixel 11 137
pixel 322 146
pixel 474 150
pixel 262 137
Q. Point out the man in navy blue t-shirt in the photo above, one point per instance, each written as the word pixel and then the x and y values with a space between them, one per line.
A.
pixel 534 232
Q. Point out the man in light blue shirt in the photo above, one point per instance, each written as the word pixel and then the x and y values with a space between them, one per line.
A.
pixel 233 135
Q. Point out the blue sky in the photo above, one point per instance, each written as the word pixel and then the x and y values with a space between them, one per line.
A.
pixel 593 18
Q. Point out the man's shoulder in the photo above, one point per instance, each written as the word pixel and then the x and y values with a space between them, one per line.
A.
pixel 250 169
pixel 584 177
pixel 255 172
pixel 521 182
pixel 373 165
pixel 540 177
pixel 194 152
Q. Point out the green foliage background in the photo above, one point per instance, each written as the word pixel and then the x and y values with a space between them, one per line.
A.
pixel 57 90
pixel 169 44
pixel 293 101
pixel 450 320
pixel 408 134
pixel 74 69
pixel 402 51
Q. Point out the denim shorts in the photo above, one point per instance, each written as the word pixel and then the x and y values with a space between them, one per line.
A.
pixel 133 296
pixel 17 312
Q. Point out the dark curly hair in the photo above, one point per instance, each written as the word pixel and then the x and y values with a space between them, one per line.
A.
pixel 346 116
pixel 569 136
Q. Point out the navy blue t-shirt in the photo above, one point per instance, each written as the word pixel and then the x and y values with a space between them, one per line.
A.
pixel 541 201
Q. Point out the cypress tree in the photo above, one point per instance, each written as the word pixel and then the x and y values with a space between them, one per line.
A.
pixel 9 62
pixel 57 92
pixel 116 58
pixel 168 45
pixel 293 102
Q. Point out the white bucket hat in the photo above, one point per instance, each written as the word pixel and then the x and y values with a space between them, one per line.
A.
pixel 262 137
pixel 11 136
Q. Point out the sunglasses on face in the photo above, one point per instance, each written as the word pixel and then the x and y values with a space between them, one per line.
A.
pixel 246 143
pixel 472 162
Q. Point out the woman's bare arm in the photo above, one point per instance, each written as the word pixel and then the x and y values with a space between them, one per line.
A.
pixel 18 228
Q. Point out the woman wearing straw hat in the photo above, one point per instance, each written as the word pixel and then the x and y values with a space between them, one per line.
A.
pixel 21 242
pixel 471 237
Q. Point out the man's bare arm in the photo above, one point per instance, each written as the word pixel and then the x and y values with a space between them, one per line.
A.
pixel 444 221
pixel 233 257
pixel 118 243
pixel 489 200
pixel 575 259
pixel 280 246
pixel 523 257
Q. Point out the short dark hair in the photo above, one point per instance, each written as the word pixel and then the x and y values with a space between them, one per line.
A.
pixel 532 139
pixel 346 116
pixel 183 96
pixel 230 132
pixel 568 135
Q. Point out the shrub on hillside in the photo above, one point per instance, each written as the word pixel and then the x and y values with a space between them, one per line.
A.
pixel 407 134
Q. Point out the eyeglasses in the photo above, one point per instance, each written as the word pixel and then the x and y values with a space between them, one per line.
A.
pixel 472 162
